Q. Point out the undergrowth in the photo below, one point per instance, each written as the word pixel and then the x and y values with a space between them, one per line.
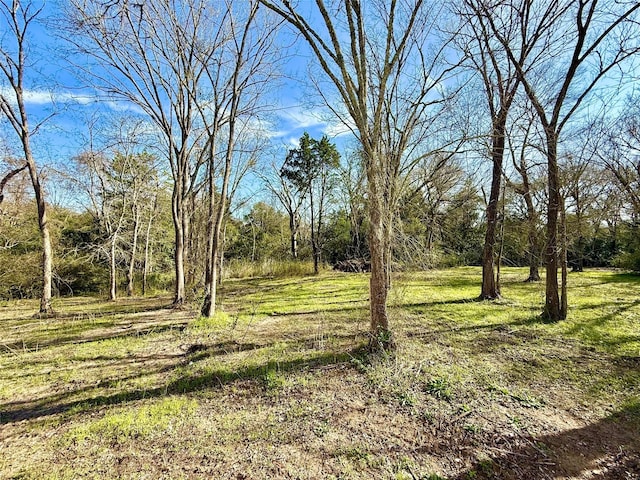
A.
pixel 280 383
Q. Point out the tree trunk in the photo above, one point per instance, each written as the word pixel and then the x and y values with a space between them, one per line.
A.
pixel 112 268
pixel 293 228
pixel 43 223
pixel 217 215
pixel 490 289
pixel 579 264
pixel 209 269
pixel 179 297
pixel 314 236
pixel 223 242
pixel 134 248
pixel 147 238
pixel 563 253
pixel 47 267
pixel 378 247
pixel 552 310
pixel 501 248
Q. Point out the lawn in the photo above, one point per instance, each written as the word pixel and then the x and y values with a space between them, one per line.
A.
pixel 280 383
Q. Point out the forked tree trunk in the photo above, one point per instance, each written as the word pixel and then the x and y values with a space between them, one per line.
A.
pixel 217 213
pixel 179 297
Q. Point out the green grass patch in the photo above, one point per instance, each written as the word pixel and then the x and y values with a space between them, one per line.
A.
pixel 141 422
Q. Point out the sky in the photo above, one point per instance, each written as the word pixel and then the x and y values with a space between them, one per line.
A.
pixel 54 94
pixel 57 99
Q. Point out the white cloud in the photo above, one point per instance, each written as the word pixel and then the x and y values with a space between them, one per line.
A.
pixel 297 118
pixel 45 97
pixel 49 97
pixel 338 128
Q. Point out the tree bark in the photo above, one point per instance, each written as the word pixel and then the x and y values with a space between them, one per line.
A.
pixel 490 288
pixel 43 222
pixel 179 297
pixel 293 227
pixel 378 246
pixel 134 248
pixel 563 253
pixel 552 310
pixel 112 268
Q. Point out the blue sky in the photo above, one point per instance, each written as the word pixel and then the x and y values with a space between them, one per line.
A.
pixel 54 93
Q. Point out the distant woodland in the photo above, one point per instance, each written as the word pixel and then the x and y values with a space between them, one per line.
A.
pixel 476 134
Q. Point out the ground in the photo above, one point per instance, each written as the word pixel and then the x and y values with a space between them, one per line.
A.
pixel 280 383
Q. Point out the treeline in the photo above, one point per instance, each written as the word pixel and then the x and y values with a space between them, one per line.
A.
pixel 491 134
pixel 118 240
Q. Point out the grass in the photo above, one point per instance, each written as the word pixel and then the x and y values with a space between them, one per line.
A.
pixel 279 383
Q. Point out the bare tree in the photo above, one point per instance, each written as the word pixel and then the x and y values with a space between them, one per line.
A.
pixel 238 73
pixel 617 146
pixel 376 55
pixel 155 55
pixel 521 148
pixel 570 47
pixel 16 20
pixel 102 181
pixel 501 83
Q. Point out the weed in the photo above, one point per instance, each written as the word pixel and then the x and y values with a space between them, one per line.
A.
pixel 439 388
pixel 472 428
pixel 273 380
pixel 219 320
pixel 486 466
pixel 523 398
pixel 406 399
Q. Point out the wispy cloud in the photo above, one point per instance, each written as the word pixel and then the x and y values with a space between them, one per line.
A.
pixel 293 120
pixel 53 97
pixel 297 118
pixel 46 97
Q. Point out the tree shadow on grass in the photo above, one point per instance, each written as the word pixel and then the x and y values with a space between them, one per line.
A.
pixel 621 277
pixel 185 383
pixel 429 335
pixel 605 450
pixel 49 337
pixel 124 306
